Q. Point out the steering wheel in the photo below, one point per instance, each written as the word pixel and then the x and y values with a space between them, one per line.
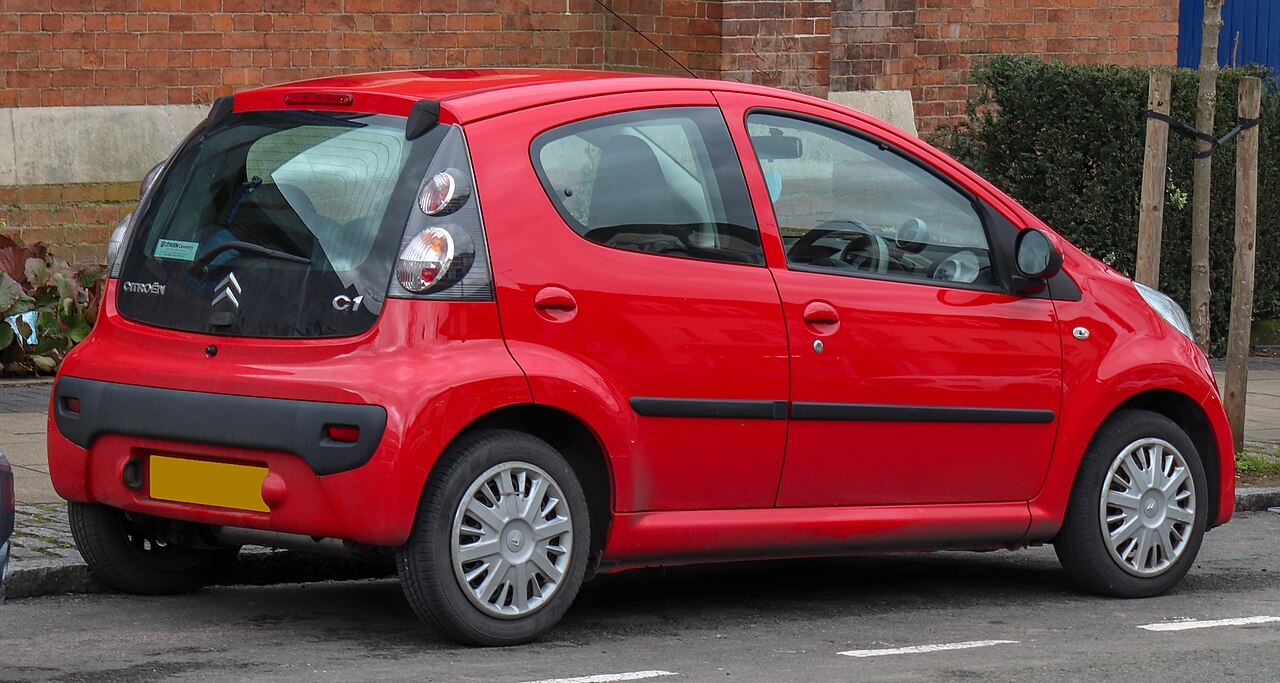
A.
pixel 865 251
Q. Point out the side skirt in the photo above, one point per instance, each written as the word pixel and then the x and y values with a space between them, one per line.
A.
pixel 654 539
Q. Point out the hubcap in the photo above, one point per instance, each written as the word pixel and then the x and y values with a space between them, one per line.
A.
pixel 1148 507
pixel 512 537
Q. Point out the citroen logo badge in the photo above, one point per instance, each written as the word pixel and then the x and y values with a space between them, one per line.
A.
pixel 228 290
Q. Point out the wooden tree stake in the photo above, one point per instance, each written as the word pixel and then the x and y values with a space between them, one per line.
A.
pixel 1154 165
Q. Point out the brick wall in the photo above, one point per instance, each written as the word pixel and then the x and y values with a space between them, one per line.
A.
pixel 65 52
pixel 688 29
pixel 169 52
pixel 75 220
pixel 929 46
pixel 781 44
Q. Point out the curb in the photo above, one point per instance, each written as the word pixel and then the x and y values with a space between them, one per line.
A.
pixel 264 566
pixel 1252 500
pixel 25 381
pixel 254 567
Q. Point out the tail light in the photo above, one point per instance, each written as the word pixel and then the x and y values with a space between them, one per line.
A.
pixel 443 253
pixel 443 193
pixel 425 259
pixel 116 241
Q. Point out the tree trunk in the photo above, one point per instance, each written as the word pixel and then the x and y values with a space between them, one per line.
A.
pixel 1237 380
pixel 1206 101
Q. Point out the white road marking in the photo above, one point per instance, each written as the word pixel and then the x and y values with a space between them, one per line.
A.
pixel 1188 625
pixel 921 649
pixel 610 678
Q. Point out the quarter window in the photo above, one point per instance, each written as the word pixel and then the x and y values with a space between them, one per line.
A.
pixel 849 205
pixel 664 181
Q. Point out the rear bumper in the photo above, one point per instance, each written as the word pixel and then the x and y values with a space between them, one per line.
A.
pixel 116 471
pixel 247 422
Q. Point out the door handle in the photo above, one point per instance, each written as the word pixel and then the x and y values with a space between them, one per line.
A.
pixel 555 304
pixel 822 319
pixel 821 313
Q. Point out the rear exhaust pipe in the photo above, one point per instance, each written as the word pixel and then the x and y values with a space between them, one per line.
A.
pixel 275 539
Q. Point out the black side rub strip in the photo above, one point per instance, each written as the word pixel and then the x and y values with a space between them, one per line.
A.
pixel 864 412
pixel 270 424
pixel 698 407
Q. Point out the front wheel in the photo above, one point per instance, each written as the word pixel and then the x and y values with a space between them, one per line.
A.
pixel 1138 510
pixel 499 546
pixel 132 557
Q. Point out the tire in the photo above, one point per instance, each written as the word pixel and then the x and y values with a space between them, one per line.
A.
pixel 478 599
pixel 128 557
pixel 1146 537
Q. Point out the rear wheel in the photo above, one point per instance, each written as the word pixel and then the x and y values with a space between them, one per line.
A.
pixel 499 546
pixel 130 556
pixel 1138 511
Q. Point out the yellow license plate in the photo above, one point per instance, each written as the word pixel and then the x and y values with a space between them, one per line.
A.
pixel 219 484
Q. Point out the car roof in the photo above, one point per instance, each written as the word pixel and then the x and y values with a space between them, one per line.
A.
pixel 472 94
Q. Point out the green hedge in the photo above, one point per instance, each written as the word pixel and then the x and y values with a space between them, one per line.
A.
pixel 1067 142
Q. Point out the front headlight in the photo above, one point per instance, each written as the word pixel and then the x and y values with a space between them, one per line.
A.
pixel 1167 308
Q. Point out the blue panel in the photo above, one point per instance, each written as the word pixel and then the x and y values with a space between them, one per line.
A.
pixel 1250 33
pixel 1190 15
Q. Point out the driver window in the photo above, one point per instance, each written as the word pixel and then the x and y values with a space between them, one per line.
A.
pixel 847 205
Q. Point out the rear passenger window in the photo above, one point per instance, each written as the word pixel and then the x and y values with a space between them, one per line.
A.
pixel 662 181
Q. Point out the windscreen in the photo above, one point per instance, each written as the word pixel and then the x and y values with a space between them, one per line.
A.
pixel 275 224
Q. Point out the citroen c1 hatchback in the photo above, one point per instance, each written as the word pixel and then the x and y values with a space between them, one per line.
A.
pixel 518 328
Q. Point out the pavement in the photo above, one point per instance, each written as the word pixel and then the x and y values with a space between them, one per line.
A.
pixel 45 560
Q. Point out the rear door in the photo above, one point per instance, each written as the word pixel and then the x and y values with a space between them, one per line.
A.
pixel 633 291
pixel 917 377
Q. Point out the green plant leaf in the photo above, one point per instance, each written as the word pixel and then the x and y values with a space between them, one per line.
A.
pixel 37 272
pixel 46 298
pixel 79 331
pixel 6 335
pixel 66 286
pixel 24 304
pixel 90 276
pixel 10 290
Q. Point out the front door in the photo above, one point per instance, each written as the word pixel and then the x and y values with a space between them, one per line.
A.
pixel 917 377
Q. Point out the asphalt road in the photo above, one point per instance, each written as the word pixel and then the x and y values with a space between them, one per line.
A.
pixel 781 621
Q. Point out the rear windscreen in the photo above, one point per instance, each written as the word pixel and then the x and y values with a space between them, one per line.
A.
pixel 275 224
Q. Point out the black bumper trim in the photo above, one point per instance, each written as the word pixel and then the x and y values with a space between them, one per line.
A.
pixel 718 408
pixel 863 412
pixel 269 424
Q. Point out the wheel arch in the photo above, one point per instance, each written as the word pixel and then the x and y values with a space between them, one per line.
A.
pixel 1191 418
pixel 573 439
pixel 1206 430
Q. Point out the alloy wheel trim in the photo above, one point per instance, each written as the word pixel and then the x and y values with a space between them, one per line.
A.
pixel 1147 507
pixel 511 540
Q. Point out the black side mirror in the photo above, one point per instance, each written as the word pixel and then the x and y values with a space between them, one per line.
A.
pixel 1037 260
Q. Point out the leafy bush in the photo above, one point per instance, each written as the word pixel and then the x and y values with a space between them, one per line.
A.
pixel 1067 141
pixel 65 302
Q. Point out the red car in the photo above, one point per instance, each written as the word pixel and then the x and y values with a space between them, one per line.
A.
pixel 518 328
